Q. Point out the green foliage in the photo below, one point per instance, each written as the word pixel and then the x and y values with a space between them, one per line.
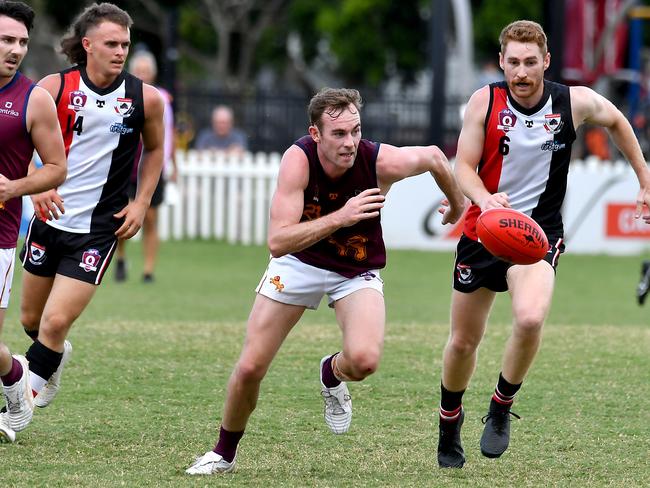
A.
pixel 493 15
pixel 143 393
pixel 196 30
pixel 365 36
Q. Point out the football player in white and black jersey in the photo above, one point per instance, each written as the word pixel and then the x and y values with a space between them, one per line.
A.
pixel 514 151
pixel 103 111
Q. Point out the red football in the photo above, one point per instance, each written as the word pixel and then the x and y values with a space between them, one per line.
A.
pixel 511 235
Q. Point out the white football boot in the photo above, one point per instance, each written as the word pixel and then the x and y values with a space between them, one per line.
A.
pixel 20 399
pixel 338 405
pixel 7 434
pixel 51 388
pixel 211 463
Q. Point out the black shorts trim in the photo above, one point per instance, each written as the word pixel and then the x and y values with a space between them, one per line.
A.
pixel 476 268
pixel 48 251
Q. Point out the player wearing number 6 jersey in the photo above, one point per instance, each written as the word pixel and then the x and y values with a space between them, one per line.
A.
pixel 514 151
pixel 103 111
pixel 325 239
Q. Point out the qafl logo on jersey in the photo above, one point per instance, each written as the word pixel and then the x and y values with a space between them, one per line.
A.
pixel 90 259
pixel 78 100
pixel 124 106
pixel 507 120
pixel 554 123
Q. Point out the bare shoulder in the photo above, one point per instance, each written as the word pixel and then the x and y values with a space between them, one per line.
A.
pixel 51 83
pixel 40 96
pixel 154 102
pixel 40 107
pixel 587 105
pixel 294 167
pixel 478 104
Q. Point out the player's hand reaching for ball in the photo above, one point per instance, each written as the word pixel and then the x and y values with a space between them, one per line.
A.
pixel 494 200
pixel 450 213
pixel 365 205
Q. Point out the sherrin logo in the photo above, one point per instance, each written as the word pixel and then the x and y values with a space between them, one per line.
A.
pixel 533 233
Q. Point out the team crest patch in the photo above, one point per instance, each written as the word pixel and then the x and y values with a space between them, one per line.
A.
pixel 78 100
pixel 90 260
pixel 124 106
pixel 36 254
pixel 464 274
pixel 553 123
pixel 507 120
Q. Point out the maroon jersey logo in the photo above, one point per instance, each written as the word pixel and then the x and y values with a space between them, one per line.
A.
pixel 90 260
pixel 507 120
pixel 78 100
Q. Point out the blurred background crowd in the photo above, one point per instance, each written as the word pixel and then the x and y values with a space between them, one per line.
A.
pixel 240 72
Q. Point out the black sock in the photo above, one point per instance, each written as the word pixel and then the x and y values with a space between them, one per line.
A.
pixel 450 403
pixel 505 392
pixel 43 361
pixel 227 445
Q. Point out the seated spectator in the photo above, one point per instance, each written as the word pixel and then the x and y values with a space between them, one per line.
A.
pixel 222 136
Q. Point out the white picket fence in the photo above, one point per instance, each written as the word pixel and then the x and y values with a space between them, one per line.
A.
pixel 220 197
pixel 229 199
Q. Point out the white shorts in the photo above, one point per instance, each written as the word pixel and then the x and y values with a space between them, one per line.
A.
pixel 7 257
pixel 289 280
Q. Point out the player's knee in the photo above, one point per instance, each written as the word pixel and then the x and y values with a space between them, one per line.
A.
pixel 248 371
pixel 29 319
pixel 463 345
pixel 55 326
pixel 529 323
pixel 364 363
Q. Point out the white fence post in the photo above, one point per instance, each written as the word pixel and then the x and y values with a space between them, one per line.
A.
pixel 222 197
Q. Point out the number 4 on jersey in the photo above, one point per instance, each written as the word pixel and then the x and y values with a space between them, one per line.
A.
pixel 78 126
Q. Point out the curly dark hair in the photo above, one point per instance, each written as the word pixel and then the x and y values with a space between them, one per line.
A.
pixel 18 11
pixel 92 16
pixel 332 101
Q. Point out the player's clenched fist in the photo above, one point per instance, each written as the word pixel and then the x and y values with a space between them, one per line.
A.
pixel 365 205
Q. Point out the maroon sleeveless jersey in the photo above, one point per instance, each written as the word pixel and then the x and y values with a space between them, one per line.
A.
pixel 17 151
pixel 352 250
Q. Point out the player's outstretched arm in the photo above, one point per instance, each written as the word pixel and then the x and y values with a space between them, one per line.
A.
pixel 43 126
pixel 286 233
pixel 396 163
pixel 591 107
pixel 150 167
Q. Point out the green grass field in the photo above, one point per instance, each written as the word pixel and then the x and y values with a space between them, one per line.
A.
pixel 142 395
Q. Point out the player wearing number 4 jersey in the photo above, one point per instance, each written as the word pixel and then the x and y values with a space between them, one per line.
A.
pixel 325 239
pixel 514 151
pixel 103 111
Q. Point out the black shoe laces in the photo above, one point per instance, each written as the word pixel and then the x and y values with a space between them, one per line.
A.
pixel 499 416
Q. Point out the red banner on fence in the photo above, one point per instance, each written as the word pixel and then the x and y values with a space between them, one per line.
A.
pixel 621 222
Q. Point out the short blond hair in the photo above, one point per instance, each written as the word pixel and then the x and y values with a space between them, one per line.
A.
pixel 523 31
